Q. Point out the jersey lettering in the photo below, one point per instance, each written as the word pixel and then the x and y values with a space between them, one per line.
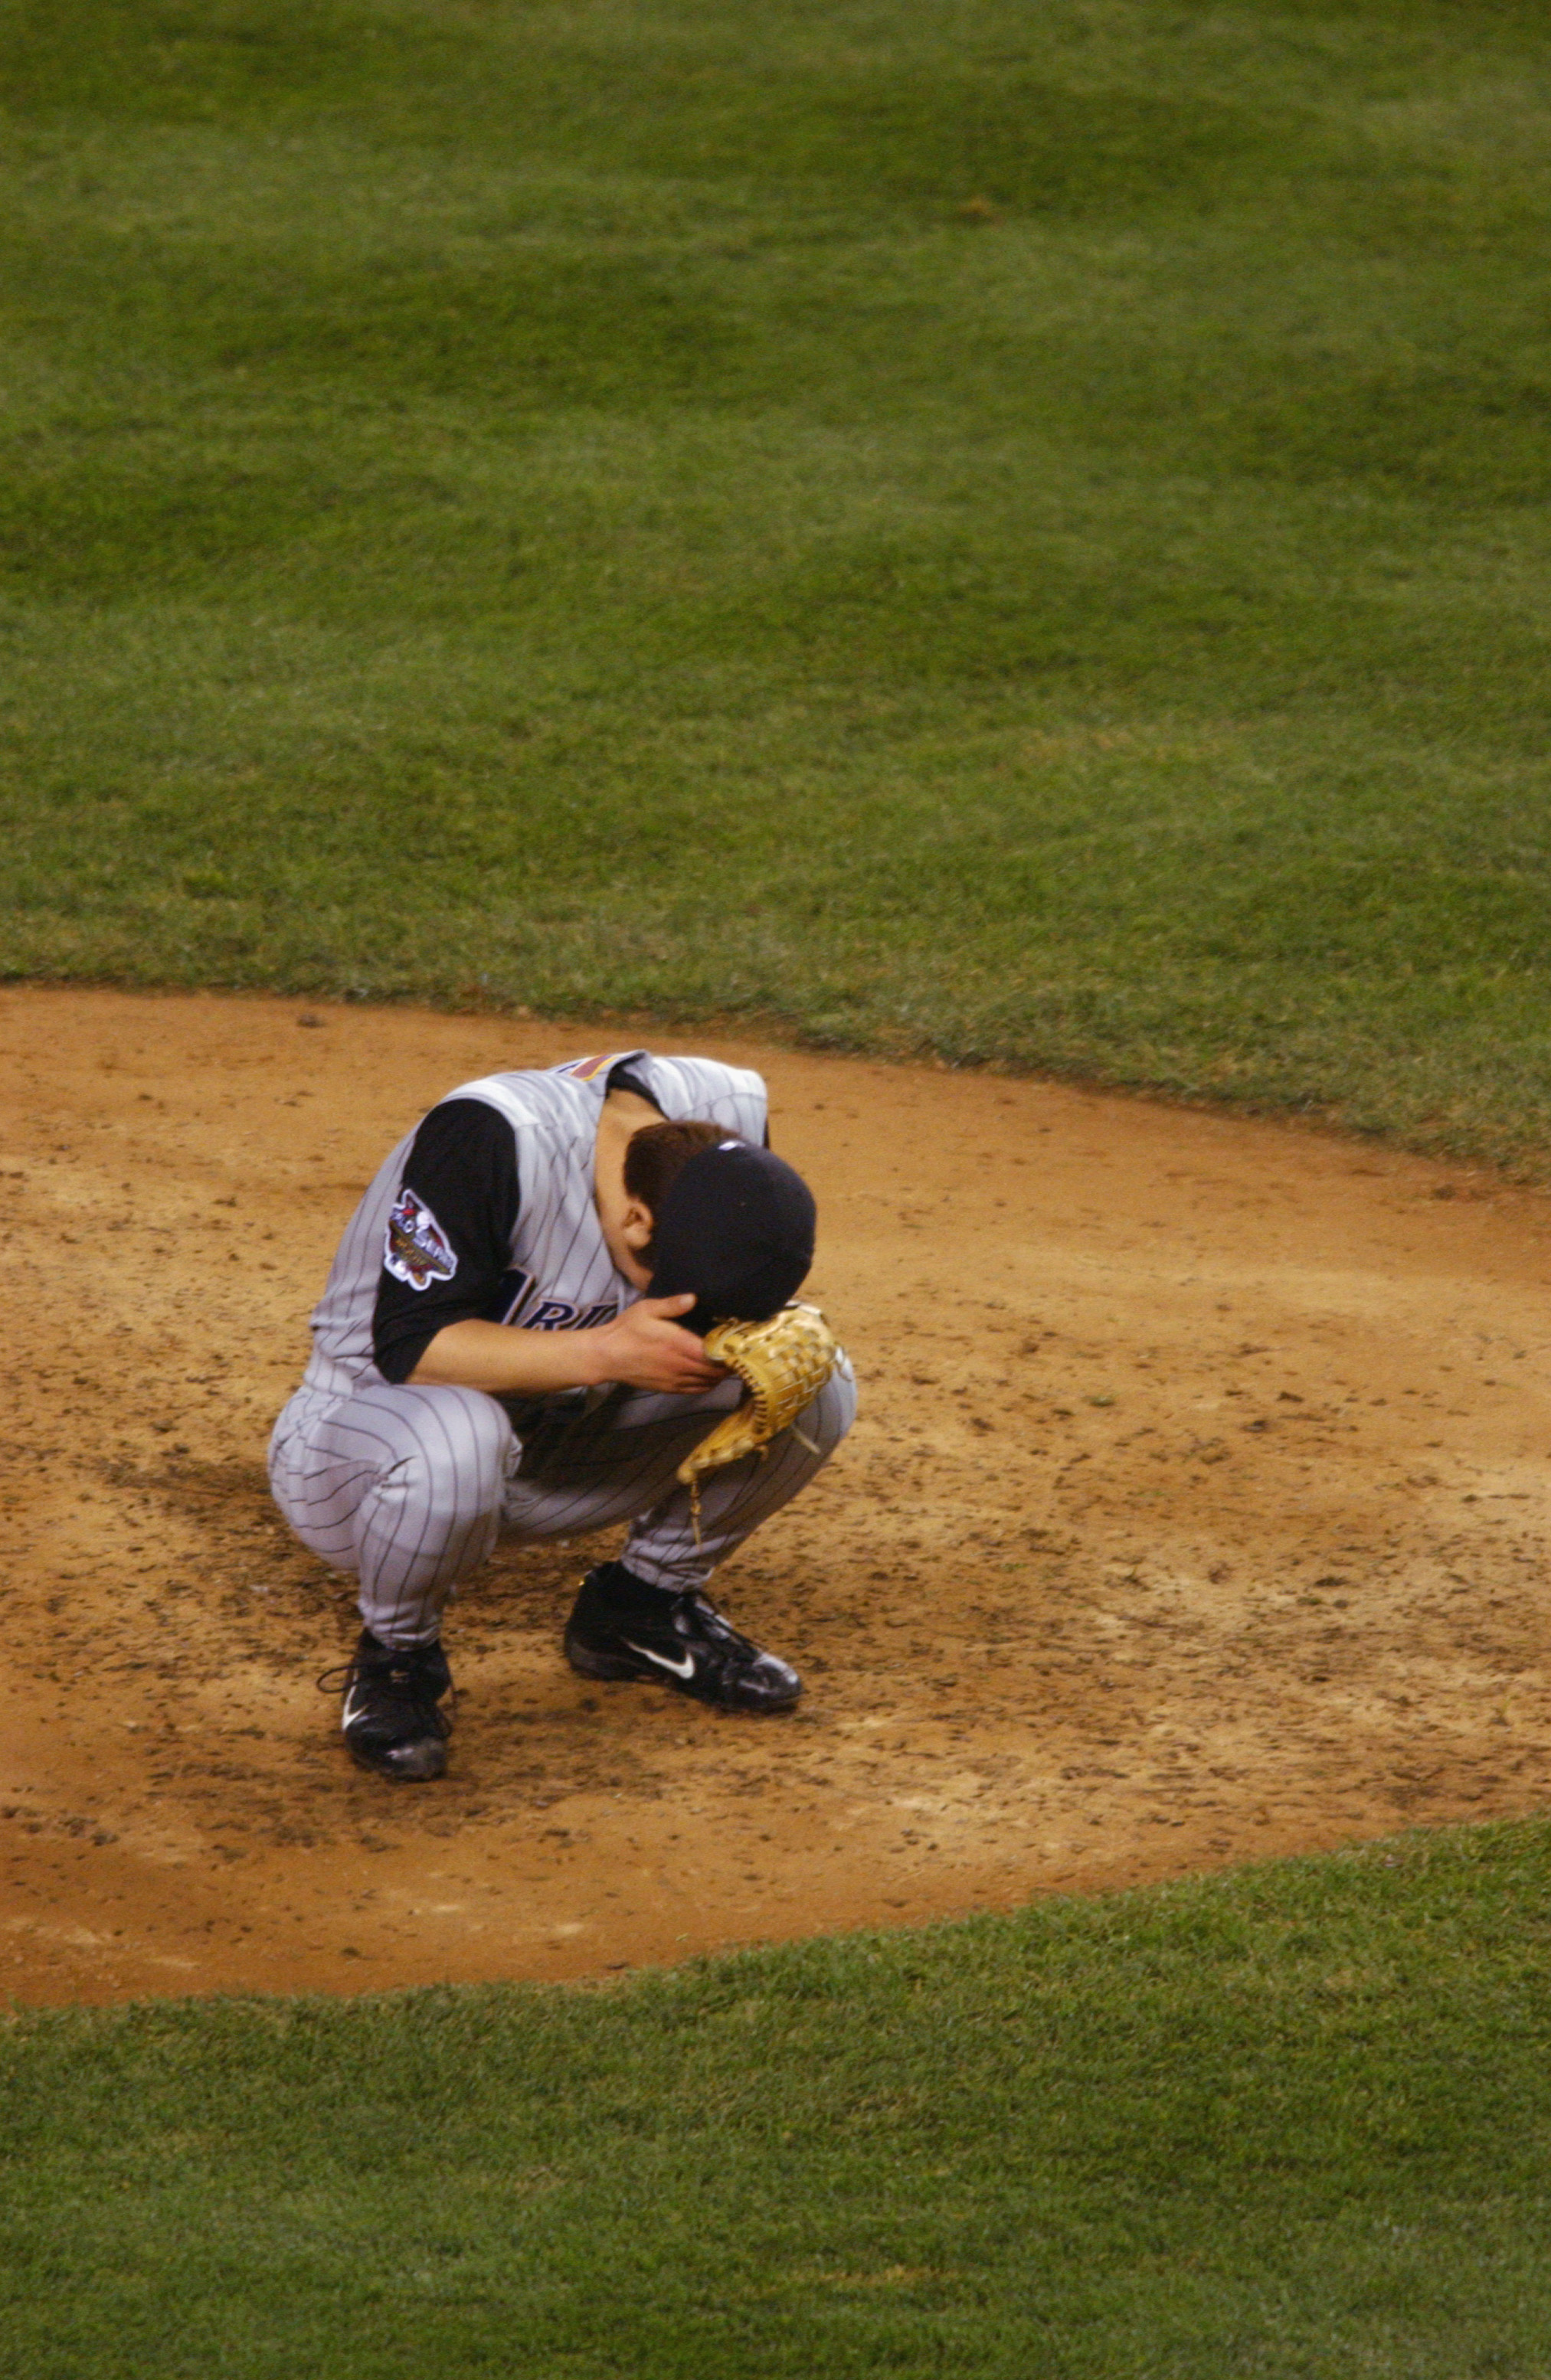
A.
pixel 559 1313
pixel 516 1287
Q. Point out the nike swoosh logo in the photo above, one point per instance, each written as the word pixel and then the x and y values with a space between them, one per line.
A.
pixel 684 1669
pixel 350 1711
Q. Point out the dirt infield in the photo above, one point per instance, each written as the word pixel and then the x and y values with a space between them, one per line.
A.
pixel 1196 1511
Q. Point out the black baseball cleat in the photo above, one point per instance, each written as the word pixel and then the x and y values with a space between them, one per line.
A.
pixel 622 1628
pixel 390 1716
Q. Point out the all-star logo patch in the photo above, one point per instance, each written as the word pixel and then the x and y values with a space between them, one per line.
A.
pixel 415 1247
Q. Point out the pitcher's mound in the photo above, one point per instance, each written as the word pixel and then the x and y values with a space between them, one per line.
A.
pixel 1195 1511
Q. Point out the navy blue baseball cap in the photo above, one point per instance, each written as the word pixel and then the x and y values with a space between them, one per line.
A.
pixel 736 1228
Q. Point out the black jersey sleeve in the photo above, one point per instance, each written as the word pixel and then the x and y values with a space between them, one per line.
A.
pixel 446 1254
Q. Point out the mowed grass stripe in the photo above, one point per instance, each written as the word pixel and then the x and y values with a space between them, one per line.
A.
pixel 1011 535
pixel 1293 2121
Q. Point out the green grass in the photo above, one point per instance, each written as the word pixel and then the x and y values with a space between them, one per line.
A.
pixel 1011 533
pixel 1291 2122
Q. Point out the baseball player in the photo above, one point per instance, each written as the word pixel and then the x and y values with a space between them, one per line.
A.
pixel 510 1343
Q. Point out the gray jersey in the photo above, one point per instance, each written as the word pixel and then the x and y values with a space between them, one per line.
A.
pixel 562 1275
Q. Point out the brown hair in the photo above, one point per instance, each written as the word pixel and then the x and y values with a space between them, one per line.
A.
pixel 657 1156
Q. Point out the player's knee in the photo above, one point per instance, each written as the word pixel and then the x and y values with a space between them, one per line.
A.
pixel 833 1410
pixel 458 1463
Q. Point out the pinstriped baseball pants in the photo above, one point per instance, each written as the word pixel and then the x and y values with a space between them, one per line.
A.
pixel 409 1489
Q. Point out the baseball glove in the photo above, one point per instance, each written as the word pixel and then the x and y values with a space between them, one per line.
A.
pixel 783 1363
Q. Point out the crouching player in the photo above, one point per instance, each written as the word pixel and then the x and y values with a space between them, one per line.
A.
pixel 510 1344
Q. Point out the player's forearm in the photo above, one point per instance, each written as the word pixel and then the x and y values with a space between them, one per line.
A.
pixel 644 1347
pixel 507 1362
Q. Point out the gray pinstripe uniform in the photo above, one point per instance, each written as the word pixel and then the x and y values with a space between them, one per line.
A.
pixel 409 1487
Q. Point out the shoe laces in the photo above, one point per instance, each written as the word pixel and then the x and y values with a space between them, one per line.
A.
pixel 402 1684
pixel 715 1624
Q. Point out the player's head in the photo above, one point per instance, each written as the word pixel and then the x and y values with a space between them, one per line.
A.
pixel 655 1155
pixel 731 1222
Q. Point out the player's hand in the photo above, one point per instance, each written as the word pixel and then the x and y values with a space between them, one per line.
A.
pixel 647 1348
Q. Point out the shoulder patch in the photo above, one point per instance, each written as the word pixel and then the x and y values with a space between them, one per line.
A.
pixel 415 1247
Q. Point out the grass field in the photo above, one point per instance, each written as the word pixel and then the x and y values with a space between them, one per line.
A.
pixel 1011 533
pixel 1291 2123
